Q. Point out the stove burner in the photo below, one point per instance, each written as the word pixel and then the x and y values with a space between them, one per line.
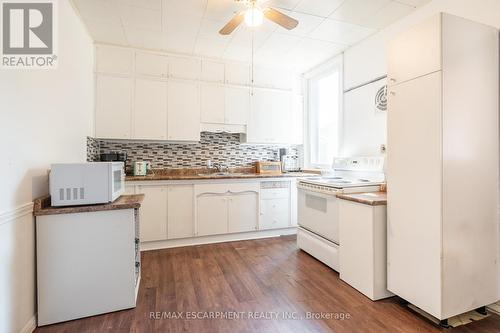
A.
pixel 363 180
pixel 339 181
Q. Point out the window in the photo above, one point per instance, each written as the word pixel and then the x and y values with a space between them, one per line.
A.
pixel 324 115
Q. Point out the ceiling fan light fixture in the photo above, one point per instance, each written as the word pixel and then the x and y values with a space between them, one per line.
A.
pixel 254 17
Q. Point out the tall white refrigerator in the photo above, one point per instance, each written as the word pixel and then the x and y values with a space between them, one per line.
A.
pixel 443 165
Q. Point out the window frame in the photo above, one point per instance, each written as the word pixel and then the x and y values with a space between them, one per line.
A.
pixel 314 74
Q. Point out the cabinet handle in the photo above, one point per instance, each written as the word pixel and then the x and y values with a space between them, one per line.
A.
pixel 393 93
pixel 392 79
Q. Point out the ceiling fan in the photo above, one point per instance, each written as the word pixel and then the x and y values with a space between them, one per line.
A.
pixel 254 14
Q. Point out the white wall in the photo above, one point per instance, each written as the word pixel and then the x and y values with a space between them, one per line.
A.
pixel 367 61
pixel 45 116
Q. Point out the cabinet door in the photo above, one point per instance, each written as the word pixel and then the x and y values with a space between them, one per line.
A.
pixel 151 64
pixel 212 71
pixel 243 211
pixel 269 120
pixel 275 213
pixel 211 215
pixel 415 52
pixel 153 223
pixel 414 176
pixel 237 105
pixel 113 107
pixel 183 111
pixel 184 68
pixel 212 103
pixel 150 110
pixel 237 74
pixel 180 211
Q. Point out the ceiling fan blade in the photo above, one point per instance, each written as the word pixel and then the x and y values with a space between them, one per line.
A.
pixel 278 17
pixel 233 24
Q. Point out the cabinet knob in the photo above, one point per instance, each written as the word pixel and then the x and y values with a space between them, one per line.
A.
pixel 392 79
pixel 393 93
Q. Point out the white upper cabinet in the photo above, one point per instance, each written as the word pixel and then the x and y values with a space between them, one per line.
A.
pixel 270 117
pixel 237 74
pixel 114 60
pixel 212 98
pixel 212 71
pixel 415 52
pixel 184 68
pixel 150 110
pixel 183 101
pixel 113 107
pixel 151 64
pixel 237 105
pixel 272 78
pixel 180 211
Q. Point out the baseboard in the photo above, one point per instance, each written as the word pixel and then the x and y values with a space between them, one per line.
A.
pixel 495 308
pixel 13 214
pixel 30 325
pixel 158 245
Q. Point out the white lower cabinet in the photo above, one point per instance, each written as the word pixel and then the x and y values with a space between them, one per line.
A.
pixel 154 213
pixel 211 214
pixel 175 211
pixel 180 219
pixel 242 211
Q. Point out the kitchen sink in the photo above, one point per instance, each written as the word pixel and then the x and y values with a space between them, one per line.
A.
pixel 220 174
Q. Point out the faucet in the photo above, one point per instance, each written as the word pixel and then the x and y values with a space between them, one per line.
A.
pixel 218 166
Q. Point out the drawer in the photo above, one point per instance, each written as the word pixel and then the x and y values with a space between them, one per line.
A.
pixel 321 249
pixel 274 213
pixel 274 193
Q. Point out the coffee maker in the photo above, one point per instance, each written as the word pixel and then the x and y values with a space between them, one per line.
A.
pixel 289 163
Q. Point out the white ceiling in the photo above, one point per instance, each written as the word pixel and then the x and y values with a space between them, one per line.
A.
pixel 326 27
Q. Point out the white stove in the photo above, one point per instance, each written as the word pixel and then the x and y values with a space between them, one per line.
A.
pixel 318 232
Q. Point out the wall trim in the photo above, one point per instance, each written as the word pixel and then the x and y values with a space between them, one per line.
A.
pixel 13 214
pixel 30 325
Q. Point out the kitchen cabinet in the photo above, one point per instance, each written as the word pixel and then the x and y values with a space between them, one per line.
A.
pixel 113 107
pixel 212 71
pixel 275 205
pixel 237 105
pixel 154 213
pixel 211 214
pixel 150 110
pixel 183 101
pixel 180 211
pixel 149 64
pixel 114 60
pixel 238 74
pixel 415 52
pixel 442 129
pixel 184 68
pixel 363 254
pixel 242 211
pixel 212 99
pixel 226 208
pixel 270 117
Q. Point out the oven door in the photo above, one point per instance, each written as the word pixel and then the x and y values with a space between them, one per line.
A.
pixel 117 180
pixel 319 213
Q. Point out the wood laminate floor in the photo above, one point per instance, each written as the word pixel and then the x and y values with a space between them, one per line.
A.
pixel 266 278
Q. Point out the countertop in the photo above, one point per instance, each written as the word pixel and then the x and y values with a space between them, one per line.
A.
pixel 368 198
pixel 42 205
pixel 201 174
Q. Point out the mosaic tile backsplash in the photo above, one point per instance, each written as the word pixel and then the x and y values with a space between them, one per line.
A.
pixel 224 148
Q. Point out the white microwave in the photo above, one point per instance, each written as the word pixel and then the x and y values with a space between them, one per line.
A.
pixel 86 183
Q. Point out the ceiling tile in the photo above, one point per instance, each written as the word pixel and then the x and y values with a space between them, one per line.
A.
pixel 358 11
pixel 210 29
pixel 179 43
pixel 106 32
pixel 321 8
pixel 307 23
pixel 244 34
pixel 278 43
pixel 150 4
pixel 141 18
pixel 340 32
pixel 97 11
pixel 182 25
pixel 192 8
pixel 282 4
pixel 309 53
pixel 238 51
pixel 222 10
pixel 147 39
pixel 414 3
pixel 210 47
pixel 388 14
